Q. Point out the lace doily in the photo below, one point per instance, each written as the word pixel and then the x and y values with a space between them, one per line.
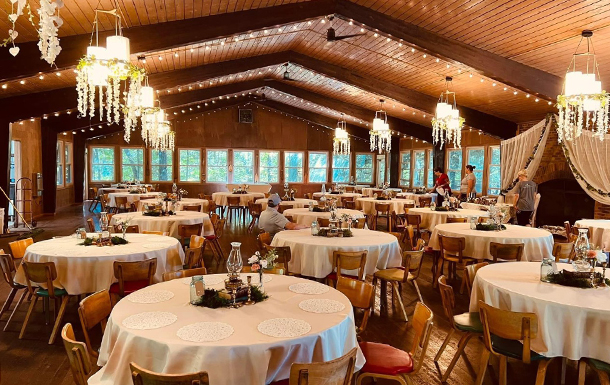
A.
pixel 209 280
pixel 150 320
pixel 284 327
pixel 150 296
pixel 255 278
pixel 308 288
pixel 205 332
pixel 321 305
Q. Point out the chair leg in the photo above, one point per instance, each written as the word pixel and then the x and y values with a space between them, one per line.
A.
pixel 444 345
pixel 541 374
pixel 460 348
pixel 9 301
pixel 402 306
pixel 27 317
pixel 60 317
pixel 421 299
pixel 502 370
pixel 582 371
pixel 482 367
pixel 25 292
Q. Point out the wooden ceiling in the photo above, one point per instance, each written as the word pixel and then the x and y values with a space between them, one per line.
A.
pixel 506 58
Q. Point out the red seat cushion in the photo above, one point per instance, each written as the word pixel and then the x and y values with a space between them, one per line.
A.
pixel 129 286
pixel 281 382
pixel 385 359
pixel 428 249
pixel 210 237
pixel 333 276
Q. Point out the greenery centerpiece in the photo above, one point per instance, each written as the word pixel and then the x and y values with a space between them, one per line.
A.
pixel 490 227
pixel 113 241
pixel 220 298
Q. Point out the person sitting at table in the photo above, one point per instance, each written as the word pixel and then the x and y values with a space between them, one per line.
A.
pixel 272 221
pixel 467 187
pixel 525 196
pixel 441 186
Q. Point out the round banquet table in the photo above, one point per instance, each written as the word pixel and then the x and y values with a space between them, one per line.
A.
pixel 220 198
pixel 370 191
pixel 599 230
pixel 88 269
pixel 329 195
pixel 306 217
pixel 417 197
pixel 572 322
pixel 181 204
pixel 245 357
pixel 297 203
pixel 168 223
pixel 131 198
pixel 431 218
pixel 108 190
pixel 313 256
pixel 538 243
pixel 367 205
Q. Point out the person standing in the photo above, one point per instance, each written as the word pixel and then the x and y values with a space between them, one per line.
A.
pixel 467 187
pixel 525 198
pixel 441 186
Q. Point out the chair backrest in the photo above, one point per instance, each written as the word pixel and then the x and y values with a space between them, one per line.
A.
pixel 186 273
pixel 506 251
pixel 18 247
pixel 452 246
pixel 40 272
pixel 133 229
pixel 350 205
pixel 382 207
pixel 134 271
pixel 422 329
pixel 409 233
pixel 412 261
pixel 336 372
pixel 425 201
pixel 509 325
pixel 185 231
pixel 360 294
pixel 255 208
pixel 263 239
pixel 408 206
pixel 152 232
pixel 447 297
pixel 214 218
pixel 193 257
pixel 233 201
pixel 90 225
pixel 141 376
pixel 563 250
pixel 192 208
pixel 220 228
pixel 94 310
pixel 196 241
pixel 104 199
pixel 350 260
pixel 287 206
pixel 323 222
pixel 120 202
pixel 456 220
pixel 80 361
pixel 7 264
pixel 350 189
pixel 414 220
pixel 359 223
pixel 283 255
pixel 568 228
pixel 470 272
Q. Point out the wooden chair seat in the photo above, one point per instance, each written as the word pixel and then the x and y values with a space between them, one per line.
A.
pixel 512 348
pixel 141 376
pixel 81 364
pixel 385 359
pixel 393 275
pixel 456 259
pixel 468 322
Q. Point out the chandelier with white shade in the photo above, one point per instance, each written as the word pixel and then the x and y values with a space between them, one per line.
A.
pixel 447 123
pixel 583 104
pixel 381 136
pixel 341 144
pixel 156 131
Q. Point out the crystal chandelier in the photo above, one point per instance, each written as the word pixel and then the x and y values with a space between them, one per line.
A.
pixel 341 141
pixel 100 74
pixel 583 104
pixel 381 137
pixel 447 123
pixel 156 132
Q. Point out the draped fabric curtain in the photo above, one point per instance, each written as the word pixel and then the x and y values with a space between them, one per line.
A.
pixel 589 159
pixel 516 152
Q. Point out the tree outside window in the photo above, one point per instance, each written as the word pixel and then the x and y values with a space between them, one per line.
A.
pixel 318 166
pixel 405 169
pixel 494 180
pixel 190 165
pixel 102 164
pixel 341 168
pixel 293 167
pixel 59 152
pixel 364 168
pixel 161 166
pixel 269 166
pixel 217 166
pixel 243 166
pixel 476 157
pixel 430 171
pixel 454 169
pixel 68 162
pixel 132 164
pixel 419 165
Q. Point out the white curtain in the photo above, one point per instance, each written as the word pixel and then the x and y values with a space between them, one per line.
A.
pixel 590 162
pixel 514 153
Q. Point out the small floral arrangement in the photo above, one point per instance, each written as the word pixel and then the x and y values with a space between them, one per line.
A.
pixel 112 242
pixel 183 192
pixel 258 262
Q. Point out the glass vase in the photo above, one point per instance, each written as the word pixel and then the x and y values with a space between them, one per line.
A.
pixel 234 262
pixel 581 246
pixel 197 287
pixel 104 221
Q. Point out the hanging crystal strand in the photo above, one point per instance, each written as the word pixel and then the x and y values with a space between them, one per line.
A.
pixel 91 100
pixel 101 95
pixel 116 102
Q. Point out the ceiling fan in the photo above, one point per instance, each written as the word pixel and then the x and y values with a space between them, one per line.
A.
pixel 286 76
pixel 331 34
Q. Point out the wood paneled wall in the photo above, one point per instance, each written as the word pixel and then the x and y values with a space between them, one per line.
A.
pixel 29 134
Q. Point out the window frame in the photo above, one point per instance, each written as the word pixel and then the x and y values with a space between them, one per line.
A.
pixel 207 164
pixel 232 164
pixel 91 151
pixel 302 166
pixel 70 162
pixel 332 167
pixel 489 166
pixel 356 168
pixel 414 170
pixel 260 166
pixel 401 169
pixel 309 153
pixel 151 165
pixel 143 160
pixel 59 164
pixel 189 166
pixel 460 170
pixel 429 167
pixel 482 170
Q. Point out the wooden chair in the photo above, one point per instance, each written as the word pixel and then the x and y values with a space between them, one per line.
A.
pixel 350 189
pixel 350 205
pixel 506 251
pixel 407 273
pixel 563 252
pixel 211 208
pixel 186 273
pixel 336 372
pixel 425 201
pixel 132 276
pixel 415 221
pixel 104 203
pixel 196 208
pixel 18 247
pixel 470 272
pixel 451 249
pixel 214 240
pixel 504 330
pixel 359 223
pixel 44 273
pixel 186 231
pixel 81 364
pixel 255 212
pixel 151 232
pixel 347 260
pixel 361 295
pixel 133 229
pixel 602 369
pixel 289 218
pixel 386 362
pixel 121 204
pixel 383 210
pixel 467 323
pixel 94 197
pixel 193 257
pixel 323 222
pixel 568 228
pixel 283 207
pixel 204 196
pixel 141 376
pixel 234 207
pixel 263 239
pixel 283 256
pixel 94 310
pixel 8 272
pixel 456 220
pixel 90 225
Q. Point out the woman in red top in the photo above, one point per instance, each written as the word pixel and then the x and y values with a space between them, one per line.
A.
pixel 442 181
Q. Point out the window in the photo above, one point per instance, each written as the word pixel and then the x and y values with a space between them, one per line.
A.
pixel 493 180
pixel 476 158
pixel 102 164
pixel 454 168
pixel 161 166
pixel 68 162
pixel 243 166
pixel 59 175
pixel 217 166
pixel 364 168
pixel 430 171
pixel 293 167
pixel 132 164
pixel 269 166
pixel 318 167
pixel 405 168
pixel 189 162
pixel 341 168
pixel 419 168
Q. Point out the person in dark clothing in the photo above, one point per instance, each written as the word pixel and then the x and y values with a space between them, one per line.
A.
pixel 525 198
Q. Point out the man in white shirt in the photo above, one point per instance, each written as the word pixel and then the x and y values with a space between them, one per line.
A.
pixel 272 221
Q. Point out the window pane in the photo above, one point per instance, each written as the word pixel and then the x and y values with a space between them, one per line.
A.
pixel 217 166
pixel 318 165
pixel 243 166
pixel 418 172
pixel 59 174
pixel 68 173
pixel 161 168
pixel 476 157
pixel 405 169
pixel 455 169
pixel 494 180
pixel 269 162
pixel 102 164
pixel 293 166
pixel 341 168
pixel 364 168
pixel 189 165
pixel 293 159
pixel 132 163
pixel 294 175
pixel 430 179
pixel 455 159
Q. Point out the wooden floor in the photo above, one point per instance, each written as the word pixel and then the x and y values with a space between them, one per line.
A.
pixel 32 361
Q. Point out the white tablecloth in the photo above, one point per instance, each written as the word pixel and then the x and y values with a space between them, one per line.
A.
pixel 367 205
pixel 357 187
pixel 255 188
pixel 417 197
pixel 247 357
pixel 297 203
pixel 220 198
pixel 572 322
pixel 537 243
pixel 131 198
pixel 336 196
pixel 431 218
pixel 107 190
pixel 313 256
pixel 306 217
pixel 167 223
pixel 599 230
pixel 87 269
pixel 181 204
pixel 370 191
